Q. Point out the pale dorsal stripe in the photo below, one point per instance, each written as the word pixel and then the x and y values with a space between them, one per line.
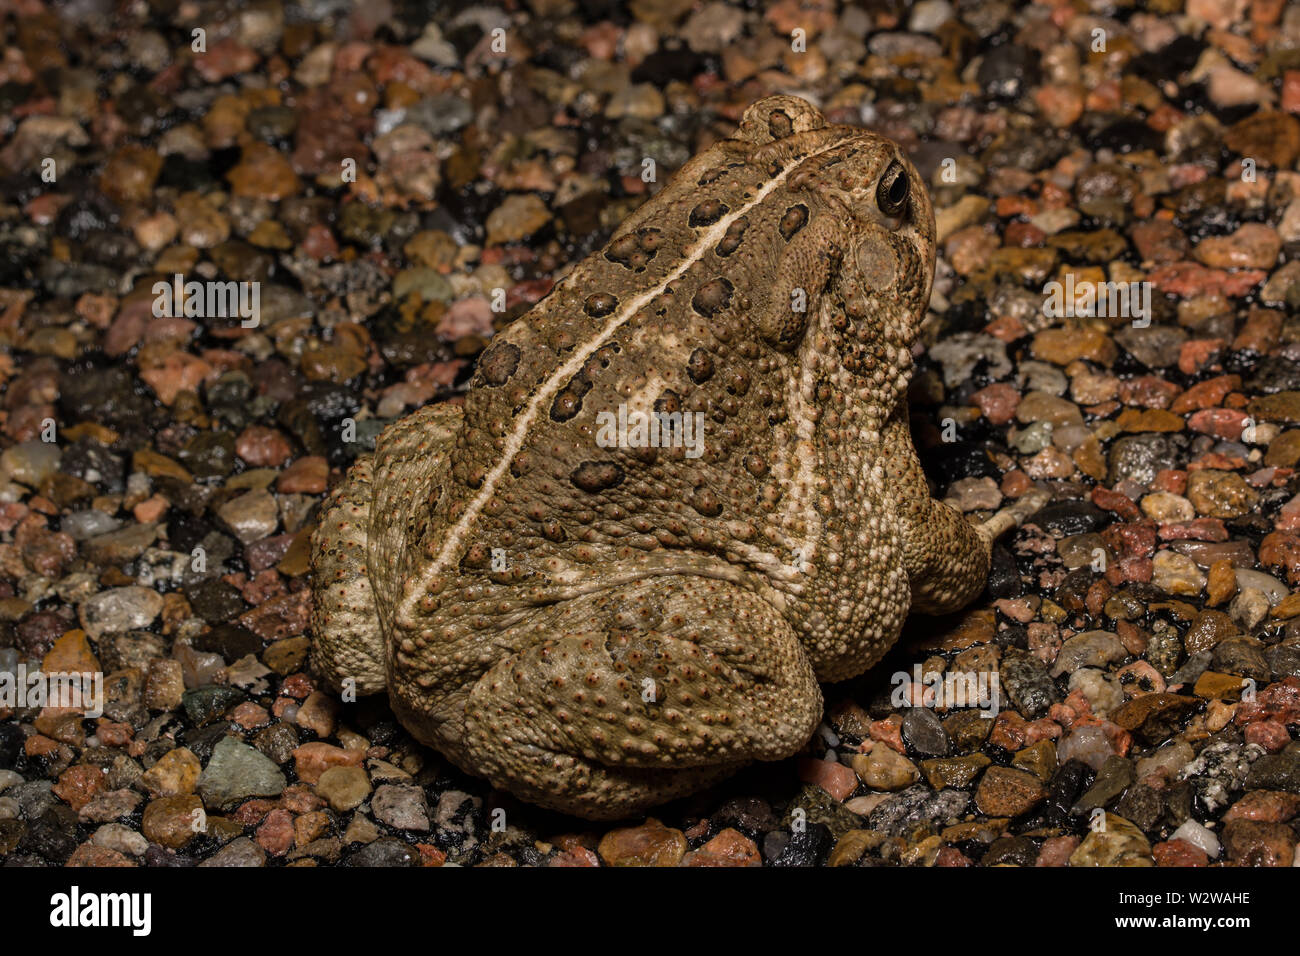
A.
pixel 515 439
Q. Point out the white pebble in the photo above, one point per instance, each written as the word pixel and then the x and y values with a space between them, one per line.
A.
pixel 1198 836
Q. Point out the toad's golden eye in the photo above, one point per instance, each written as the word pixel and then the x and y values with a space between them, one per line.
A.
pixel 892 193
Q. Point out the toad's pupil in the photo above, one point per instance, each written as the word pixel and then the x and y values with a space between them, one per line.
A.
pixel 898 189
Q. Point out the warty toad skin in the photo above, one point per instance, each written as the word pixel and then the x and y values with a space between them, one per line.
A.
pixel 601 625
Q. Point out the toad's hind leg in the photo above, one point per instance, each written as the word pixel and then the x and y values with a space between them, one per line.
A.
pixel 360 549
pixel 644 693
pixel 346 640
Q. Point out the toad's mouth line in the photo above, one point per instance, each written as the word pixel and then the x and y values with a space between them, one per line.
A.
pixel 406 613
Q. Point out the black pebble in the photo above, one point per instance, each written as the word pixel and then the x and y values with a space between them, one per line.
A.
pixel 809 848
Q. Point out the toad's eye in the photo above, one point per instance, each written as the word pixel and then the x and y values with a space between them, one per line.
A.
pixel 891 194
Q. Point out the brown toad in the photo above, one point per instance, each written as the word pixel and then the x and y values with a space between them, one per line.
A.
pixel 680 493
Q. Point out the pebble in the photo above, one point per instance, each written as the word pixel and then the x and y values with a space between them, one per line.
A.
pixel 1273 589
pixel 899 813
pixel 1267 772
pixel 1090 649
pixel 241 851
pixel 175 774
pixel 1220 494
pixel 1064 346
pixel 1027 683
pixel 1254 843
pixel 275 833
pixel 956 772
pixel 1119 844
pixel 1114 777
pixel 1166 761
pixel 172 822
pixel 1155 717
pixel 1196 834
pixel 236 772
pixel 96 856
pixel 1086 743
pixel 1103 692
pixel 1175 573
pixel 109 805
pixel 1139 458
pixel 30 462
pixel 78 785
pixel 386 851
pixel 1039 759
pixel 650 844
pixel 121 839
pixel 974 494
pixel 401 806
pixel 1220 769
pixel 729 848
pixel 1008 792
pixel 1174 852
pixel 343 788
pixel 1221 582
pixel 250 517
pixel 960 353
pixel 262 447
pixel 263 173
pixel 929 15
pixel 923 732
pixel 1249 607
pixel 307 475
pixel 885 769
pixel 1167 508
pixel 120 609
pixel 1269 806
pixel 836 779
pixel 516 219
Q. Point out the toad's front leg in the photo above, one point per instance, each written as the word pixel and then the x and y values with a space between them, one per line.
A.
pixel 947 557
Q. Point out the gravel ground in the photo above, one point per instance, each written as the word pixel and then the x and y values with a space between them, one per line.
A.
pixel 160 475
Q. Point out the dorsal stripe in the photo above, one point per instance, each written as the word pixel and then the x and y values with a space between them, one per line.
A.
pixel 456 534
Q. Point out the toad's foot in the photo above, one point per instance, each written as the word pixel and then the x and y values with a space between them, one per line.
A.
pixel 1012 516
